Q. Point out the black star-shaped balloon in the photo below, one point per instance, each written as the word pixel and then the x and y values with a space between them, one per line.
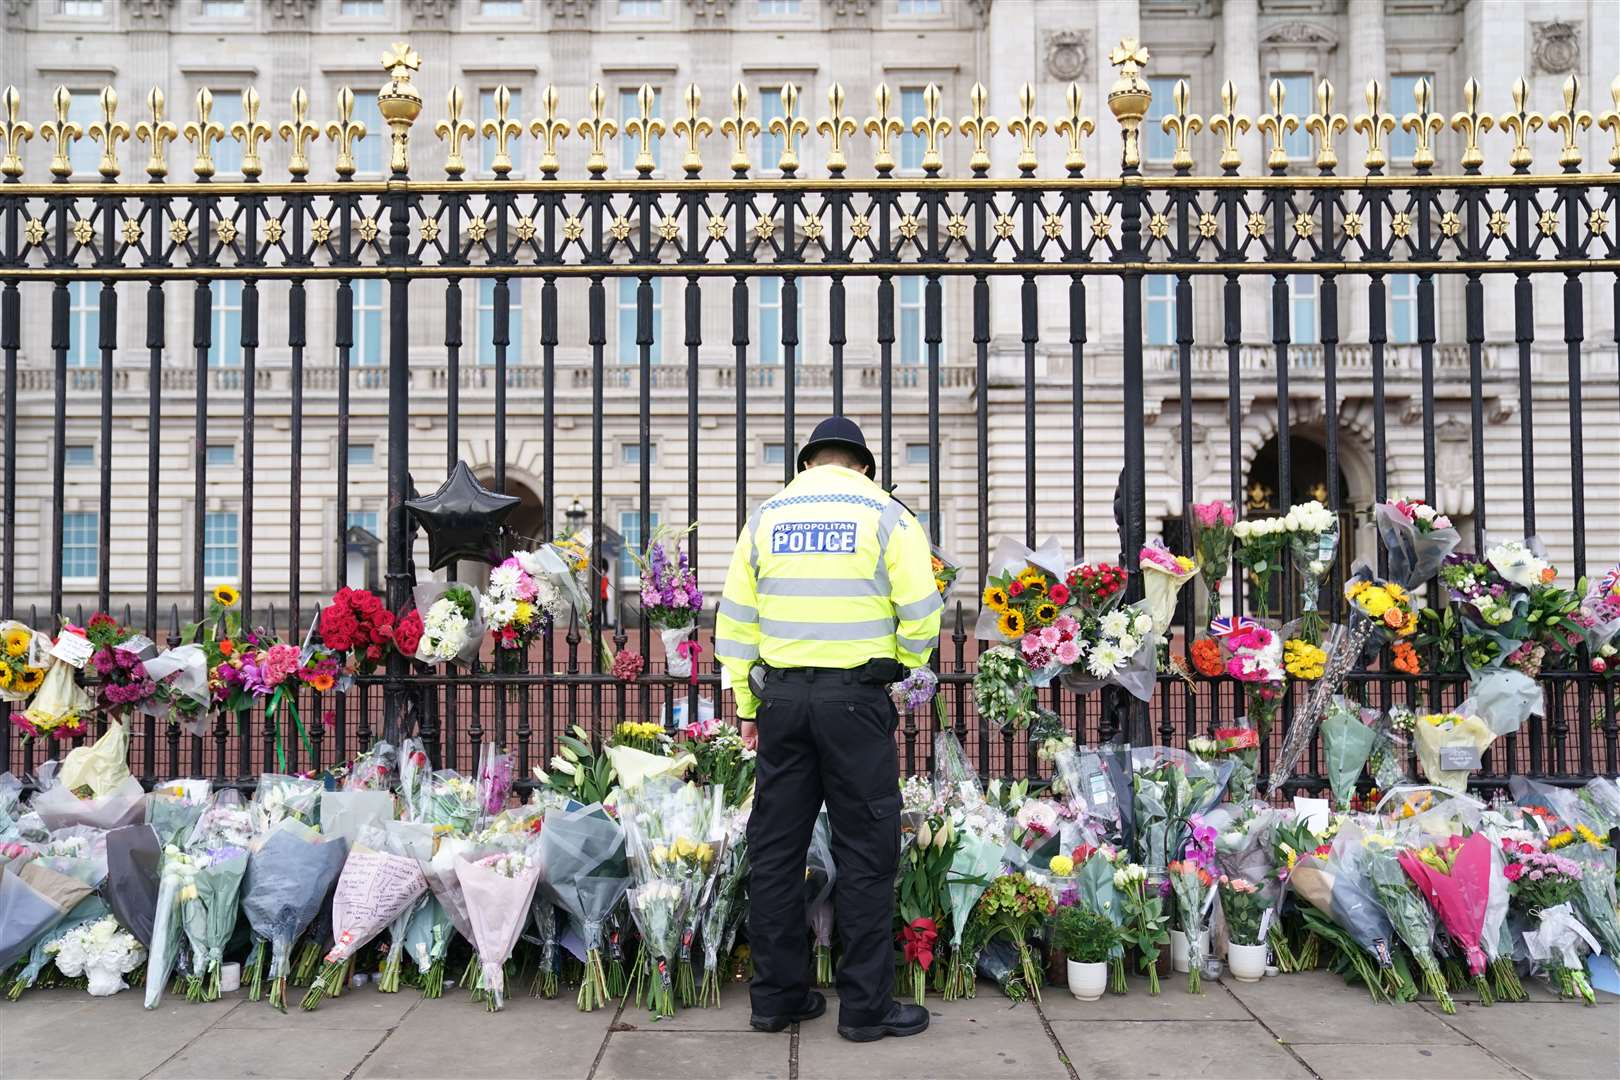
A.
pixel 462 519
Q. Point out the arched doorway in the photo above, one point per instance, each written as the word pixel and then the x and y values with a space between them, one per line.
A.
pixel 526 521
pixel 1308 479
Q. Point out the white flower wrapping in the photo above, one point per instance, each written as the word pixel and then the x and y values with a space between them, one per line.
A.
pixel 101 951
pixel 1518 564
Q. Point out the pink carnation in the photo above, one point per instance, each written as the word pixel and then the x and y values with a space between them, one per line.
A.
pixel 1050 637
pixel 1068 653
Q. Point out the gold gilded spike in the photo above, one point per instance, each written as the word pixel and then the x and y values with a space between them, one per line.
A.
pixel 250 132
pixel 1074 127
pixel 15 132
pixel 1610 122
pixel 884 125
pixel 1028 126
pixel 1324 124
pixel 1471 122
pixel 400 103
pixel 979 127
pixel 932 127
pixel 693 127
pixel 297 133
pixel 63 132
pixel 454 131
pixel 1423 123
pixel 344 131
pixel 156 131
pixel 1229 124
pixel 597 128
pixel 502 129
pixel 645 127
pixel 1375 123
pixel 741 127
pixel 204 133
pixel 790 127
pixel 1182 124
pixel 1130 97
pixel 1570 120
pixel 1278 125
pixel 837 127
pixel 1520 123
pixel 549 128
pixel 109 131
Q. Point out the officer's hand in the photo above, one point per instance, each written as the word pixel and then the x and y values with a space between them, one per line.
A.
pixel 750 734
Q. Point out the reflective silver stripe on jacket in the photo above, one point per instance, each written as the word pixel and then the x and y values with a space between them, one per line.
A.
pixel 886 523
pixel 839 587
pixel 734 650
pixel 862 630
pixel 916 644
pixel 920 609
pixel 738 612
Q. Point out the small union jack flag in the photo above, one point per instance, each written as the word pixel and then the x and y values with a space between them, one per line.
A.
pixel 1608 581
pixel 1227 625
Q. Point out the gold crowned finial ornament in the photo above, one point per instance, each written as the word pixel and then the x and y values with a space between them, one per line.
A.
pixel 740 127
pixel 1130 95
pixel 400 103
pixel 1229 124
pixel 453 130
pixel 14 131
pixel 1423 123
pixel 1074 127
pixel 250 132
pixel 297 133
pixel 1570 120
pixel 932 127
pixel 1520 123
pixel 1028 126
pixel 790 127
pixel 885 126
pixel 1182 124
pixel 1374 124
pixel 693 127
pixel 1278 125
pixel 1324 124
pixel 109 131
pixel 158 132
pixel 344 131
pixel 550 128
pixel 1610 121
pixel 63 132
pixel 979 127
pixel 204 132
pixel 645 128
pixel 1471 122
pixel 503 129
pixel 837 127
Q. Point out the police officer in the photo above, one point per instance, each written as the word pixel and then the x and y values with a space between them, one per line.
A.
pixel 830 598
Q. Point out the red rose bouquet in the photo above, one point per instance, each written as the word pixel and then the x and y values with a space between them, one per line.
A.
pixel 357 623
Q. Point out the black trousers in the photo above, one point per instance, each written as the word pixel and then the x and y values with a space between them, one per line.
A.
pixel 824 736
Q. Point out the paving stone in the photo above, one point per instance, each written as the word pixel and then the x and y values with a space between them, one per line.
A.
pixel 1360 1061
pixel 1318 1007
pixel 364 1009
pixel 985 1038
pixel 529 1038
pixel 41 1035
pixel 732 1015
pixel 1195 1048
pixel 692 1055
pixel 315 1054
pixel 1174 1003
pixel 1559 1041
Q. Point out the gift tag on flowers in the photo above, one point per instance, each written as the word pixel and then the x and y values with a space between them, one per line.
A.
pixel 72 648
pixel 1459 758
pixel 140 645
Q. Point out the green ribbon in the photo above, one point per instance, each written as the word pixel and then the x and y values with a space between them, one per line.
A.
pixel 288 700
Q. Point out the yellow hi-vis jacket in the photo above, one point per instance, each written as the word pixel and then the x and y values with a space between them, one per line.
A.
pixel 830 573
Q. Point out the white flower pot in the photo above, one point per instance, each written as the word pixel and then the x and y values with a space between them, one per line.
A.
pixel 1246 962
pixel 1179 960
pixel 1088 981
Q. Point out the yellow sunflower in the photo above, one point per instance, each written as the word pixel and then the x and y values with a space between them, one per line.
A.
pixel 995 598
pixel 1034 581
pixel 226 595
pixel 17 640
pixel 5 675
pixel 1011 624
pixel 1045 612
pixel 29 678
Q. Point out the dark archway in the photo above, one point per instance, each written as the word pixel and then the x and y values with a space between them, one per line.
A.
pixel 1308 479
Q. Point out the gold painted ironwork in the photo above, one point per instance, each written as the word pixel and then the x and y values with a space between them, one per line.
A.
pixel 1374 124
pixel 400 103
pixel 344 131
pixel 791 128
pixel 297 133
pixel 741 127
pixel 109 131
pixel 1028 126
pixel 1610 121
pixel 549 127
pixel 836 127
pixel 1182 124
pixel 503 129
pixel 1229 124
pixel 1423 124
pixel 979 127
pixel 250 132
pixel 453 130
pixel 1278 125
pixel 1520 123
pixel 204 132
pixel 1471 122
pixel 1323 124
pixel 158 132
pixel 63 132
pixel 645 127
pixel 1074 127
pixel 15 132
pixel 885 126
pixel 1570 121
pixel 694 127
pixel 932 127
pixel 1130 96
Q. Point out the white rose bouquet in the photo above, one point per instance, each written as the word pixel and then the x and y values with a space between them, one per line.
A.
pixel 452 628
pixel 1313 538
pixel 101 951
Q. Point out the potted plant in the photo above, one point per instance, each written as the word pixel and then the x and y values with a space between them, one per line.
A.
pixel 1245 912
pixel 1086 938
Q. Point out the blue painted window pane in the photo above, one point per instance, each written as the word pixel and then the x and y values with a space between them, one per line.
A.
pixel 221 544
pixel 770 108
pixel 630 529
pixel 227 152
pixel 1159 300
pixel 1403 144
pixel 79 544
pixel 1296 100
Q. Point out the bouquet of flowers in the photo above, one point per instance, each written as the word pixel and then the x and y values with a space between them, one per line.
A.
pixel 414 840
pixel 1345 913
pixel 1261 546
pixel 945 569
pixel 92 787
pixel 1002 692
pixel 101 952
pixel 1169 788
pixel 1163 575
pixel 60 705
pixel 1347 740
pixel 1192 885
pixel 356 624
pixel 1502 602
pixel 820 876
pixel 726 899
pixel 1019 590
pixel 125 687
pixel 1599 620
pixel 176 888
pixel 1449 746
pixel 24 657
pixel 1544 886
pixel 1050 649
pixel 433 943
pixel 1244 910
pixel 1254 657
pixel 1417 538
pixel 452 628
pixel 670 597
pixel 448 799
pixel 587 874
pixel 974 862
pixel 1313 538
pixel 375 888
pixel 1144 922
pixel 1455 877
pixel 38 896
pixel 1095 868
pixel 1386 762
pixel 929 845
pixel 1213 523
pixel 916 690
pixel 498 889
pixel 1410 915
pixel 1119 648
pixel 208 915
pixel 1095 588
pixel 288 879
pixel 1013 907
pixel 561 570
pixel 279 797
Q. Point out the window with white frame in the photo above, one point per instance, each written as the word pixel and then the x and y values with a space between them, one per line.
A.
pixel 486 320
pixel 220 454
pixel 224 9
pixel 83 9
pixel 80 544
pixel 920 7
pixel 779 7
pixel 225 324
pixel 486 111
pixel 227 152
pixel 917 453
pixel 912 146
pixel 910 321
pixel 1159 308
pixel 368 321
pixel 630 145
pixel 1403 323
pixel 1302 326
pixel 771 350
pixel 370 153
pixel 629 350
pixel 770 108
pixel 630 453
pixel 630 529
pixel 1296 99
pixel 1402 100
pixel 84 323
pixel 501 9
pixel 641 9
pixel 85 109
pixel 222 545
pixel 79 456
pixel 773 453
pixel 365 519
pixel 1159 145
pixel 362 455
pixel 361 8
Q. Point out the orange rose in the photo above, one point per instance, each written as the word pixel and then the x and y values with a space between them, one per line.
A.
pixel 1394 618
pixel 1406 658
pixel 1206 657
pixel 227 647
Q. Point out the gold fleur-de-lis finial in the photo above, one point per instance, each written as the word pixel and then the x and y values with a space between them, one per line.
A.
pixel 597 128
pixel 1374 124
pixel 15 132
pixel 1324 124
pixel 502 128
pixel 204 132
pixel 1471 122
pixel 250 132
pixel 740 127
pixel 1423 123
pixel 837 127
pixel 1229 124
pixel 791 127
pixel 1028 126
pixel 1182 124
pixel 549 127
pixel 297 133
pixel 979 127
pixel 1074 127
pixel 932 127
pixel 156 131
pixel 645 127
pixel 1570 120
pixel 693 127
pixel 453 130
pixel 1610 122
pixel 1278 125
pixel 109 131
pixel 1519 123
pixel 344 131
pixel 885 126
pixel 61 131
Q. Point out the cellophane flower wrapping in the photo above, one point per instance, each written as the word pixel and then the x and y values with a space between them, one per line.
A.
pixel 288 880
pixel 133 855
pixel 1386 762
pixel 587 874
pixel 209 916
pixel 1435 734
pixel 498 889
pixel 1558 944
pixel 1409 913
pixel 1163 576
pixel 1347 740
pixel 1212 538
pixel 411 840
pixel 278 797
pixel 727 900
pixel 1169 786
pixel 1192 887
pixel 35 899
pixel 1595 903
pixel 1417 543
pixel 1454 875
pixel 1312 544
pixel 176 888
pixel 173 809
pixel 453 627
pixel 821 875
pixel 87 911
pixel 101 952
pixel 450 800
pixel 1089 790
pixel 347 814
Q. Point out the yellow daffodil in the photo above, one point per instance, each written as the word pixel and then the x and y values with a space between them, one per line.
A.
pixel 705 853
pixel 660 854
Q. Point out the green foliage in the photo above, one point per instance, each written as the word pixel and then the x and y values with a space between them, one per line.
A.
pixel 1086 936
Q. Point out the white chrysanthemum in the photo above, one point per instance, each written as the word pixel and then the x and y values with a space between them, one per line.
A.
pixel 1115 624
pixel 503 582
pixel 1104 660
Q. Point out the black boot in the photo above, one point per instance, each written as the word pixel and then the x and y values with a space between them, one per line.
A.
pixel 815 1003
pixel 900 1021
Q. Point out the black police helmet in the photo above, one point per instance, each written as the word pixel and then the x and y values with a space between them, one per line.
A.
pixel 842 432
